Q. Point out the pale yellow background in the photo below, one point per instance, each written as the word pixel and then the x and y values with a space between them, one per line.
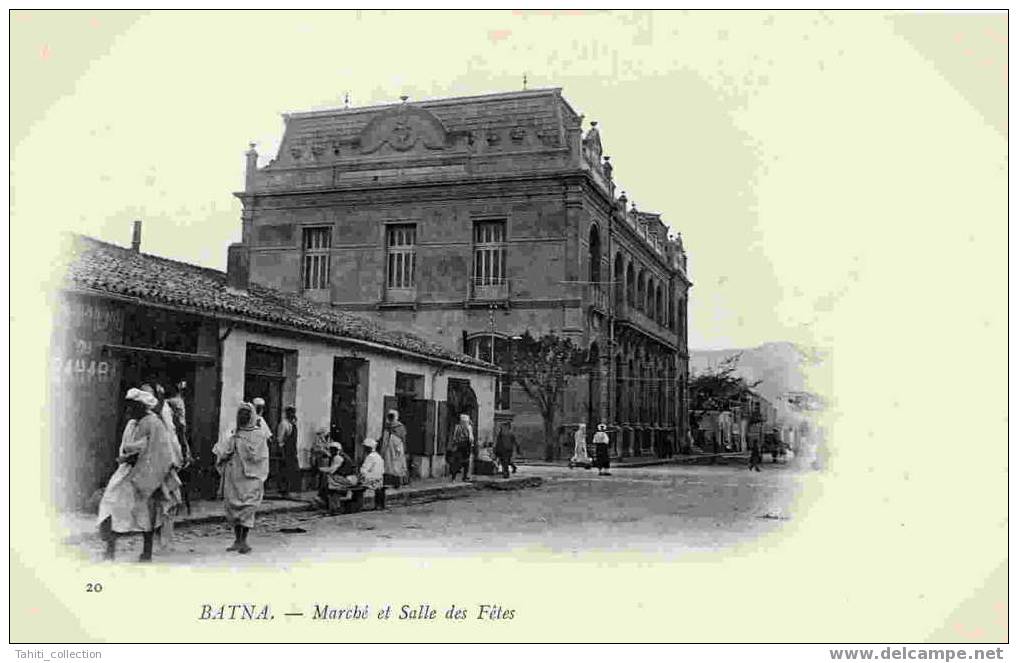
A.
pixel 839 180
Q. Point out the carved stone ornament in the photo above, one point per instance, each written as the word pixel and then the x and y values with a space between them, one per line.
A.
pixel 403 129
pixel 295 152
pixel 549 137
pixel 493 138
pixel 517 134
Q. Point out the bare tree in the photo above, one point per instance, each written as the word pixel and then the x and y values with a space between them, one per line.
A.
pixel 542 366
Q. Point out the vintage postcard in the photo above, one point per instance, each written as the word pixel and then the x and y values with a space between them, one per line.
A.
pixel 546 326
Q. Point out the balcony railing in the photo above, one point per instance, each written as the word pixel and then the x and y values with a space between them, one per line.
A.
pixel 488 290
pixel 641 319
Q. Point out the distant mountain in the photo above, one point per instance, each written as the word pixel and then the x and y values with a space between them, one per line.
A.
pixel 779 366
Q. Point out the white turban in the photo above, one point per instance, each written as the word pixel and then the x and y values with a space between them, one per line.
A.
pixel 142 397
pixel 258 401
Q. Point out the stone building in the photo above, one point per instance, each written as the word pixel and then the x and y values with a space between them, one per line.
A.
pixel 470 220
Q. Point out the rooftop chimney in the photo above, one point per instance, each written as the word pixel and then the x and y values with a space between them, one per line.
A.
pixel 237 267
pixel 136 237
pixel 251 168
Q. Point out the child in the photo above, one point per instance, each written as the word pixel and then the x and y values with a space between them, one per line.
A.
pixel 372 472
pixel 755 457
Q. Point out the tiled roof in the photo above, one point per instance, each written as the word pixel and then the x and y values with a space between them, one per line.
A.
pixel 107 268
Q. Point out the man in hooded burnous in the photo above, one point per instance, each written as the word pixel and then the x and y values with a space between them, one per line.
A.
pixel 243 461
pixel 393 450
pixel 145 486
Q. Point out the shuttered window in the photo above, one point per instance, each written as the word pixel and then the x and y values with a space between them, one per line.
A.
pixel 489 253
pixel 317 245
pixel 401 257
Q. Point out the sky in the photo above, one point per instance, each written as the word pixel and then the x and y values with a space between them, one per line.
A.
pixel 784 147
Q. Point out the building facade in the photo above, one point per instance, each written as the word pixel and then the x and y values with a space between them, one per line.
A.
pixel 471 220
pixel 124 318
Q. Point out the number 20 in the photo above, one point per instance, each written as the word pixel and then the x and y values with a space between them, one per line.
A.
pixel 94 587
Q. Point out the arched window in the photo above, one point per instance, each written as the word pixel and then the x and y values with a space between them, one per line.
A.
pixel 680 317
pixel 631 393
pixel 668 310
pixel 493 348
pixel 619 277
pixel 641 291
pixel 594 380
pixel 620 391
pixel 595 257
pixel 658 311
pixel 644 390
pixel 630 286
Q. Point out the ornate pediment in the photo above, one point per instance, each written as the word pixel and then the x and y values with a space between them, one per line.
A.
pixel 403 129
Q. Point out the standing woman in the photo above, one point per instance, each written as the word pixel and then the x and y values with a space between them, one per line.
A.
pixel 394 451
pixel 138 495
pixel 601 460
pixel 243 460
pixel 580 455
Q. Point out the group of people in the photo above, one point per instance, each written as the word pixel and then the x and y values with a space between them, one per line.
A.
pixel 146 489
pixel 601 458
pixel 497 458
pixel 339 472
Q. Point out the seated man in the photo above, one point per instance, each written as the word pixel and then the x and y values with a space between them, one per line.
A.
pixel 485 463
pixel 339 476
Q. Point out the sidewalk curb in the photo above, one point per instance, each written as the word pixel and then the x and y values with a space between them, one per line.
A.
pixel 696 459
pixel 406 498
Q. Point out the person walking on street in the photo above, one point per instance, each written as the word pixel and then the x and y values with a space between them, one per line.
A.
pixel 243 461
pixel 286 437
pixel 505 444
pixel 755 457
pixel 601 458
pixel 462 446
pixel 394 450
pixel 372 472
pixel 580 455
pixel 164 412
pixel 142 490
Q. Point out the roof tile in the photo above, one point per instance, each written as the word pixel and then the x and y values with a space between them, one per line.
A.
pixel 103 267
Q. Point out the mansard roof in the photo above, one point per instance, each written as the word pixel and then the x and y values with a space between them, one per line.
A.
pixel 543 113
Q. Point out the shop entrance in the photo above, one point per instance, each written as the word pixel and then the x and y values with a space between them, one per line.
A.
pixel 349 403
pixel 461 399
pixel 264 376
